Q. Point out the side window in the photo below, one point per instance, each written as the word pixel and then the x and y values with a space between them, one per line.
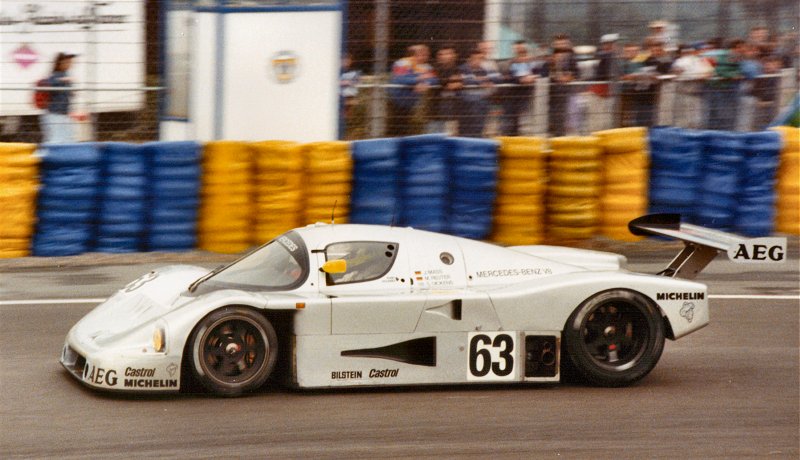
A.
pixel 366 260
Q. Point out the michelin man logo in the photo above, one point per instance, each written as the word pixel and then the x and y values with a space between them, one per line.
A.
pixel 687 311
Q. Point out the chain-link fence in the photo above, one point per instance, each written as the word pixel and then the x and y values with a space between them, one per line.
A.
pixel 471 67
pixel 88 123
pixel 574 108
pixel 110 88
pixel 510 67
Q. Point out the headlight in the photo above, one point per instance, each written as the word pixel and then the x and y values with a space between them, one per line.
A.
pixel 159 339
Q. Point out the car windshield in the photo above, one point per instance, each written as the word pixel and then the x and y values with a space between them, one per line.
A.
pixel 281 264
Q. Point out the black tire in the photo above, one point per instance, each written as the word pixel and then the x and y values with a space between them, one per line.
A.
pixel 234 350
pixel 614 338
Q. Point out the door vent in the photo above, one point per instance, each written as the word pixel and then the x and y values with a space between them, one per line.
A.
pixel 420 352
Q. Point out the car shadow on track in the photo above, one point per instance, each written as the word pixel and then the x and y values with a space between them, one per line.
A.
pixel 195 391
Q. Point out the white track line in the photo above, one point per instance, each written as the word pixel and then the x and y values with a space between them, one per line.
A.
pixel 51 301
pixel 90 301
pixel 754 296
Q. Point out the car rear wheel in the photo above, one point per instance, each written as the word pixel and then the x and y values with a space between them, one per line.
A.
pixel 234 351
pixel 614 338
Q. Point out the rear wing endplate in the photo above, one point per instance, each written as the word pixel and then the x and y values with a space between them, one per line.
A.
pixel 702 244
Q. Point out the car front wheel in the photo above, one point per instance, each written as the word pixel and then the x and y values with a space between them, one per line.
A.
pixel 234 350
pixel 614 338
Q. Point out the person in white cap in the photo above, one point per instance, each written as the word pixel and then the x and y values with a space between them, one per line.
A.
pixel 607 56
pixel 608 70
pixel 659 33
pixel 692 71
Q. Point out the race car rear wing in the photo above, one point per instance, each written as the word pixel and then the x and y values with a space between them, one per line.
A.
pixel 701 245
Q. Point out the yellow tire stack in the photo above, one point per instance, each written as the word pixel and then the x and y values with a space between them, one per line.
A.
pixel 225 222
pixel 328 181
pixel 788 187
pixel 625 180
pixel 19 182
pixel 278 188
pixel 521 183
pixel 573 190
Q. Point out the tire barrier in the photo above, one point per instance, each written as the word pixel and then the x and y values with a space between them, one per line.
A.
pixel 574 187
pixel 626 169
pixel 723 171
pixel 718 179
pixel 755 204
pixel 675 171
pixel 174 195
pixel 122 216
pixel 787 219
pixel 376 178
pixel 225 219
pixel 328 181
pixel 19 174
pixel 473 172
pixel 521 184
pixel 226 196
pixel 278 188
pixel 67 208
pixel 425 182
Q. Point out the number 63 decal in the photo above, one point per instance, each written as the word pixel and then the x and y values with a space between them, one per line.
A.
pixel 491 356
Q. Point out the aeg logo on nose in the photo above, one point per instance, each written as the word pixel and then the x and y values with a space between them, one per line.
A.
pixel 759 250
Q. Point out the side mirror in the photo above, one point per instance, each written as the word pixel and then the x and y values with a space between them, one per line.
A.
pixel 334 266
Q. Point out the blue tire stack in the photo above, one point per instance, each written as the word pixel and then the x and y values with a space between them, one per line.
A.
pixel 67 202
pixel 755 214
pixel 174 198
pixel 425 182
pixel 723 160
pixel 123 202
pixel 675 173
pixel 473 186
pixel 376 178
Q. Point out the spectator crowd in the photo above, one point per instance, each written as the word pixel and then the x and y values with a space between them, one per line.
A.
pixel 718 84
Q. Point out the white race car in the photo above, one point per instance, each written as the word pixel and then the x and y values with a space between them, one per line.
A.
pixel 360 305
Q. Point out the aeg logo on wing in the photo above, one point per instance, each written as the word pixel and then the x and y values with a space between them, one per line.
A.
pixel 759 250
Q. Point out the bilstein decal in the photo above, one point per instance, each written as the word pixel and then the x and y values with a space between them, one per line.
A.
pixel 345 375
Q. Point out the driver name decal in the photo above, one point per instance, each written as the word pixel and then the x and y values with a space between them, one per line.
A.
pixel 433 278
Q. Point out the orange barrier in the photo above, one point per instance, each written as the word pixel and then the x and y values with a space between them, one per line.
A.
pixel 225 220
pixel 19 176
pixel 787 219
pixel 521 185
pixel 626 166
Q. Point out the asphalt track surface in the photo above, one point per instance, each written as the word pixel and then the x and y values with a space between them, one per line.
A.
pixel 729 390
